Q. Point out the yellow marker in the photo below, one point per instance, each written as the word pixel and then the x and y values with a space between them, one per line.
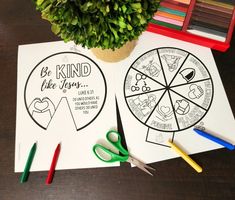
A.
pixel 189 160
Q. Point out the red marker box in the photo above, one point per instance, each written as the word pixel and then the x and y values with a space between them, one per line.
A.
pixel 209 23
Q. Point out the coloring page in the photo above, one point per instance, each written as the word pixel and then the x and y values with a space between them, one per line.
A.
pixel 64 95
pixel 165 89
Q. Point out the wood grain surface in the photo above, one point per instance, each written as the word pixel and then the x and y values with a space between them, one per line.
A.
pixel 20 24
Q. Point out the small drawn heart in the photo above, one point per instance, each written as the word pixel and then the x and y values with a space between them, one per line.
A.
pixel 191 94
pixel 165 109
pixel 41 105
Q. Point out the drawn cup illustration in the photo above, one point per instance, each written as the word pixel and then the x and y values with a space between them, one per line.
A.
pixel 195 91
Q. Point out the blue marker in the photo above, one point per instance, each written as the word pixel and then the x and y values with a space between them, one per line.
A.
pixel 215 139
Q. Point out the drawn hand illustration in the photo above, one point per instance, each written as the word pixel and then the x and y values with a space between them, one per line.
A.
pixel 182 107
pixel 195 91
pixel 42 110
pixel 68 83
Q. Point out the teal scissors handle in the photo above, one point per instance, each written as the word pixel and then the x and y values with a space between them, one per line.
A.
pixel 107 155
pixel 114 138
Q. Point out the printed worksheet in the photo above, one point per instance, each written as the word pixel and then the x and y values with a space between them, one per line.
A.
pixel 66 96
pixel 165 89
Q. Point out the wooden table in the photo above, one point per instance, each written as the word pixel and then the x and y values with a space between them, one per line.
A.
pixel 174 179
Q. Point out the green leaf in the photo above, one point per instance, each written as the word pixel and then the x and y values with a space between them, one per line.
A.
pixel 74 21
pixel 136 6
pixel 122 24
pixel 115 7
pixel 55 28
pixel 39 2
pixel 129 27
pixel 124 8
pixel 92 23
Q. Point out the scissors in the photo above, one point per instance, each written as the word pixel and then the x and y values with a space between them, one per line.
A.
pixel 106 155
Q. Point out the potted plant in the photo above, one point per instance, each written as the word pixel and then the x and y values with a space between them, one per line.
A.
pixel 100 24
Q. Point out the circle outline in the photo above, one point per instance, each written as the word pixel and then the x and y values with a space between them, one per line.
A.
pixel 157 49
pixel 105 84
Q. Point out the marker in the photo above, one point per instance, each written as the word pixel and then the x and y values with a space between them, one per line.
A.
pixel 53 165
pixel 215 139
pixel 189 160
pixel 25 174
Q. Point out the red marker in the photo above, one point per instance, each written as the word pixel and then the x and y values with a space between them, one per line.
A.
pixel 53 165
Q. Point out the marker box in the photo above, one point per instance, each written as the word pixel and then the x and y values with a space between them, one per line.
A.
pixel 208 23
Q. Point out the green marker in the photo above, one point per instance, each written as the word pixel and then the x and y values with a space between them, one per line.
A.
pixel 25 174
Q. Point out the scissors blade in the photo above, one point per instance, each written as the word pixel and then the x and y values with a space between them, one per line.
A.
pixel 140 165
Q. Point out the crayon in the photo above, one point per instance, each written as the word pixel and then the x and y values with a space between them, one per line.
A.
pixel 166 24
pixel 183 155
pixel 25 174
pixel 173 7
pixel 171 11
pixel 216 21
pixel 53 165
pixel 216 8
pixel 168 20
pixel 215 139
pixel 217 3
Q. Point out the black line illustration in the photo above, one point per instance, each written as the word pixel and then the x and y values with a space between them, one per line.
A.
pixel 140 77
pixel 148 77
pixel 173 110
pixel 194 98
pixel 182 107
pixel 65 98
pixel 144 93
pixel 42 110
pixel 197 81
pixel 178 70
pixel 188 74
pixel 155 107
pixel 152 69
pixel 187 99
pixel 195 91
pixel 73 76
pixel 163 71
pixel 164 113
pixel 172 61
pixel 144 103
pixel 158 139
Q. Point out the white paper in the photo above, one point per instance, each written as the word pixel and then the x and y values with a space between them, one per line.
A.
pixel 64 95
pixel 154 106
pixel 163 99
